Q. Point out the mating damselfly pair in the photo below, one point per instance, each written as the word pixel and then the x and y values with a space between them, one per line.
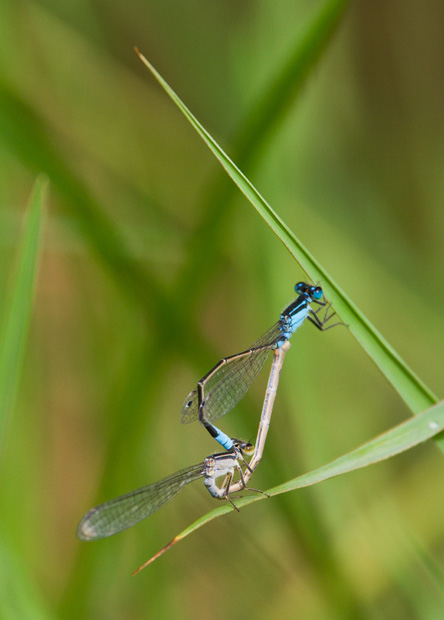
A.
pixel 217 393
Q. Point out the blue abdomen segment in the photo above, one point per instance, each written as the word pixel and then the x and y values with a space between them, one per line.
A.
pixel 225 441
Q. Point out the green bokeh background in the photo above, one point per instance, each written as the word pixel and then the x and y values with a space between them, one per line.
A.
pixel 153 268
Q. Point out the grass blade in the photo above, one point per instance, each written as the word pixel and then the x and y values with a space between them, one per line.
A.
pixel 259 125
pixel 399 439
pixel 17 317
pixel 280 95
pixel 413 391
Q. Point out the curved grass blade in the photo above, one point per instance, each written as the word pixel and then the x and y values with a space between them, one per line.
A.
pixel 17 316
pixel 413 391
pixel 269 111
pixel 399 439
pixel 258 127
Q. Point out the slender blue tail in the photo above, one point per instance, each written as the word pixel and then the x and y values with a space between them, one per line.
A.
pixel 219 435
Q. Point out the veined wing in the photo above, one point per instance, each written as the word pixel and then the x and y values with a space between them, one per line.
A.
pixel 228 382
pixel 125 511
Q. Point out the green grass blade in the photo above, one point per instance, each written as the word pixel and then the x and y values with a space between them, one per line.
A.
pixel 414 392
pixel 257 128
pixel 23 132
pixel 399 439
pixel 280 95
pixel 17 317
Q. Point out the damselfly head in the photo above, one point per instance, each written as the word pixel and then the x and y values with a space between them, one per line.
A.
pixel 315 292
pixel 245 447
pixel 248 449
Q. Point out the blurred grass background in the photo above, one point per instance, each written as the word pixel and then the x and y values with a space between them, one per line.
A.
pixel 154 268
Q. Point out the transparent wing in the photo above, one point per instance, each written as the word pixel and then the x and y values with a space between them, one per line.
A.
pixel 231 380
pixel 125 511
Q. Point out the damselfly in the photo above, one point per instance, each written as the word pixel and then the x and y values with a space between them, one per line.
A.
pixel 227 383
pixel 125 511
